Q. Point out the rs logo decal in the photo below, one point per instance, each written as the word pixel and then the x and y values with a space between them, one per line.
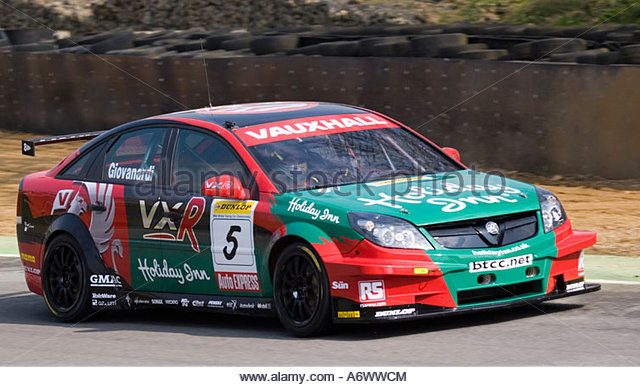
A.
pixel 371 291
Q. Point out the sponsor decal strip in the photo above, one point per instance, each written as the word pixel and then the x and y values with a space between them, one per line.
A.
pixel 471 194
pixel 250 305
pixel 28 258
pixel 105 280
pixel 117 172
pixel 310 127
pixel 152 270
pixel 348 314
pixel 309 208
pixel 616 282
pixel 501 264
pixel 521 246
pixel 395 312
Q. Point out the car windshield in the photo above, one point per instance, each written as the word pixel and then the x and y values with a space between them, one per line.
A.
pixel 349 157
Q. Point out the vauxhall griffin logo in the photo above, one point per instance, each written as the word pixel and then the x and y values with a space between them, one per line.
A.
pixel 492 228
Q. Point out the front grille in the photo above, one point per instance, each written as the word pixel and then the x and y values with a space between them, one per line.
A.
pixel 496 293
pixel 472 234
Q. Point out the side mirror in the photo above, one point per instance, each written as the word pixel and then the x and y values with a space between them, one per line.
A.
pixel 452 152
pixel 225 186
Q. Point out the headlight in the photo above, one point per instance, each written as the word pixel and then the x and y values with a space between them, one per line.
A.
pixel 388 231
pixel 553 214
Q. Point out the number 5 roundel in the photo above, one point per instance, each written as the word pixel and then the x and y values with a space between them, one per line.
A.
pixel 232 249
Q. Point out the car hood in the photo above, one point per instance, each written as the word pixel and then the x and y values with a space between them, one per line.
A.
pixel 431 199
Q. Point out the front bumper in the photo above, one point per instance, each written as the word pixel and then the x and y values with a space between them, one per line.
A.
pixel 421 311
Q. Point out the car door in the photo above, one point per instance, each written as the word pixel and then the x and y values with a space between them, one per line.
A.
pixel 213 250
pixel 134 162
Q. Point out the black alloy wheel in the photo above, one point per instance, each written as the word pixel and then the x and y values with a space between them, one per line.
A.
pixel 301 291
pixel 64 281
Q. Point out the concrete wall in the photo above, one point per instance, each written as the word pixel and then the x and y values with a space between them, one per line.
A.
pixel 542 118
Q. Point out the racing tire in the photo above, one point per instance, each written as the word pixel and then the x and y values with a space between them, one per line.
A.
pixel 33 47
pixel 481 54
pixel 214 42
pixel 547 47
pixel 445 52
pixel 391 49
pixel 272 44
pixel 347 48
pixel 237 44
pixel 189 46
pixel 368 45
pixel 603 58
pixel 117 41
pixel 148 39
pixel 27 35
pixel 64 280
pixel 301 291
pixel 427 46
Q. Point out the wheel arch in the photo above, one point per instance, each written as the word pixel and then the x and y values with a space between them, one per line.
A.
pixel 72 225
pixel 278 248
pixel 311 235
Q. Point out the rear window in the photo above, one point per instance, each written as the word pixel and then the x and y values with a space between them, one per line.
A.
pixel 79 168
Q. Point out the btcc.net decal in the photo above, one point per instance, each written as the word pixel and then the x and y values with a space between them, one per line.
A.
pixel 347 376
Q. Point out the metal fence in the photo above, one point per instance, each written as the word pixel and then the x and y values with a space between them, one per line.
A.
pixel 543 118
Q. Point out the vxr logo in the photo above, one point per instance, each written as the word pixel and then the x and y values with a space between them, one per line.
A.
pixel 189 218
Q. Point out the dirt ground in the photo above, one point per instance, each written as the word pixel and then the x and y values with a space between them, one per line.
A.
pixel 612 208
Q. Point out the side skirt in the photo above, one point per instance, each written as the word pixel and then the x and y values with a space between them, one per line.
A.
pixel 129 300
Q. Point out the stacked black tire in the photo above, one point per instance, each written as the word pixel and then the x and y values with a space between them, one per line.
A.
pixel 600 45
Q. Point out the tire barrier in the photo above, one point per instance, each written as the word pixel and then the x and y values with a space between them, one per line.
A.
pixel 486 42
pixel 551 117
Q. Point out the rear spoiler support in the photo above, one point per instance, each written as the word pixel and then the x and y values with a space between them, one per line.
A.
pixel 29 146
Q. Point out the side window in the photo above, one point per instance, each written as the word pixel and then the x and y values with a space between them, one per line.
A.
pixel 135 157
pixel 199 156
pixel 80 166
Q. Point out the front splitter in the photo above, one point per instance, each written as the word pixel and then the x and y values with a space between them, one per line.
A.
pixel 420 311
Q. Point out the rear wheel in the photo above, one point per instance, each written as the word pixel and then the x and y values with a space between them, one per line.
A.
pixel 64 280
pixel 301 291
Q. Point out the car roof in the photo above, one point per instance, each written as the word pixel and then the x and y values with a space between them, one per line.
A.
pixel 249 114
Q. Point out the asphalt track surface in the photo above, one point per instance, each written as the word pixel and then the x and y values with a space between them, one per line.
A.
pixel 596 329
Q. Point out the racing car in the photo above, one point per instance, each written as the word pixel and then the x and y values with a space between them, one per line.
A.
pixel 318 213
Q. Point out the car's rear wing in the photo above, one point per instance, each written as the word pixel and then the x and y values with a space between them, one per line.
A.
pixel 29 146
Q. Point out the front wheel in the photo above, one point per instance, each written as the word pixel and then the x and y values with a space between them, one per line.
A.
pixel 64 280
pixel 301 291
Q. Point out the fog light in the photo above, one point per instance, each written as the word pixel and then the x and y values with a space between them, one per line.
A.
pixel 486 279
pixel 532 271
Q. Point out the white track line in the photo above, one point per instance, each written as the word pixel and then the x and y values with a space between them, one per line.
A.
pixel 616 282
pixel 9 256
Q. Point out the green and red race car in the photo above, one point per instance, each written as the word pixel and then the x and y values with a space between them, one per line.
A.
pixel 318 213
